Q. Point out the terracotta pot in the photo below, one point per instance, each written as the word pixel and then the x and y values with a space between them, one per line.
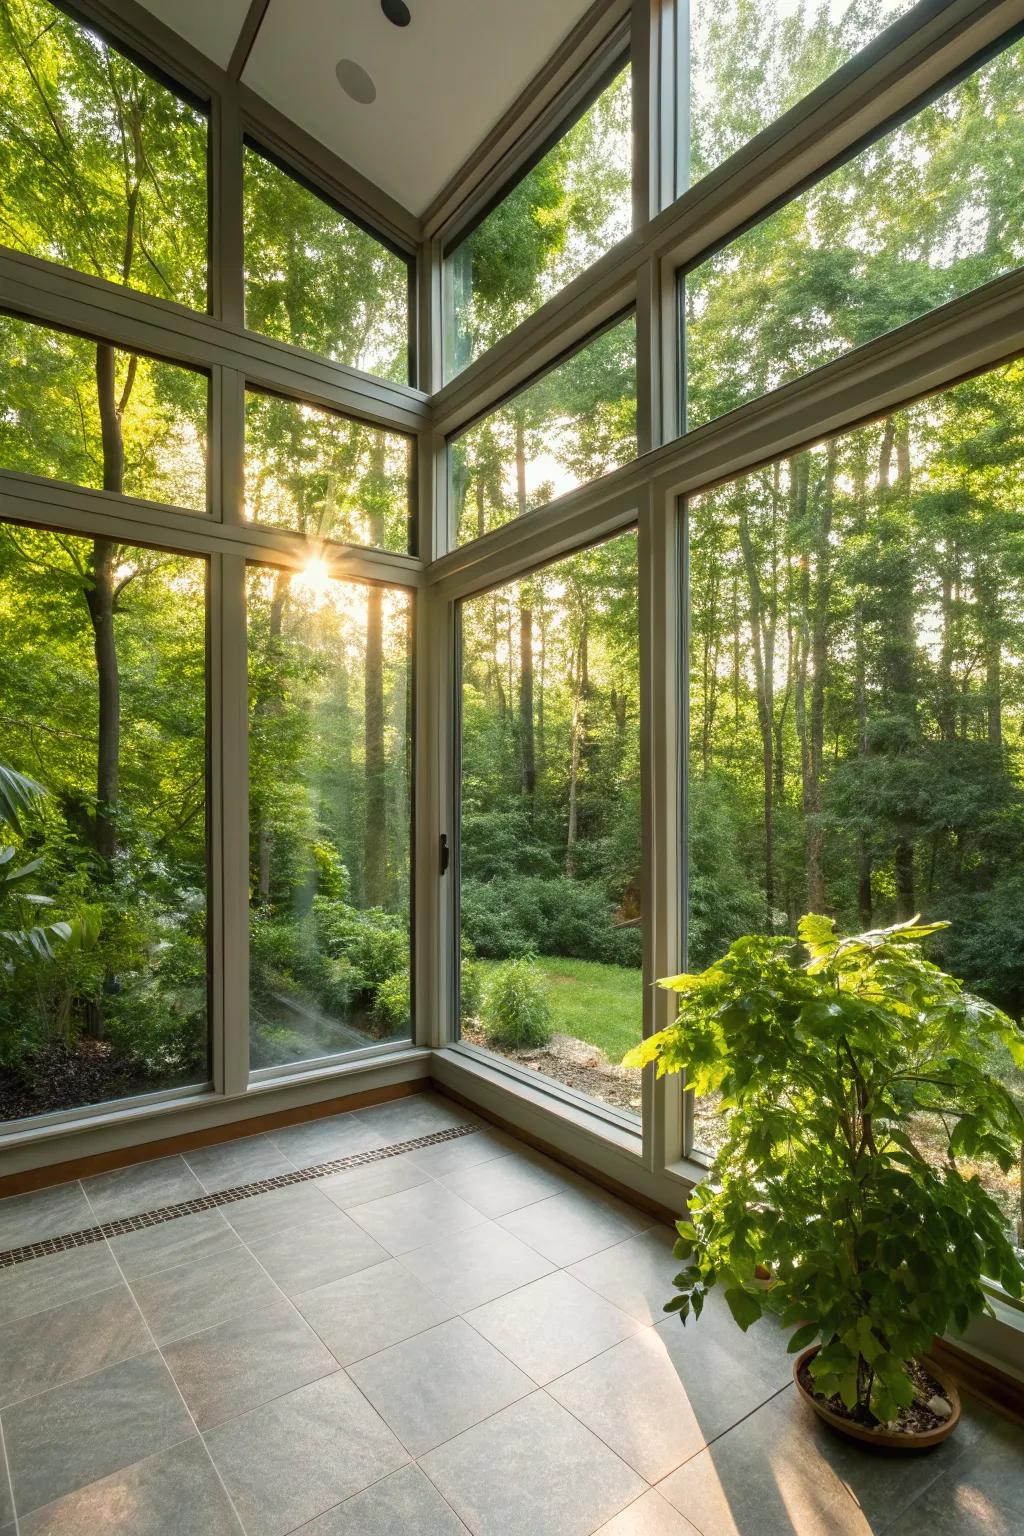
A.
pixel 890 1438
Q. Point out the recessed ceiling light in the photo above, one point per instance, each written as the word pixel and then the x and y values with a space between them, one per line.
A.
pixel 355 82
pixel 396 11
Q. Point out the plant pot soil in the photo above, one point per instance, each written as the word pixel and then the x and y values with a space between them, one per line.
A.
pixel 918 1427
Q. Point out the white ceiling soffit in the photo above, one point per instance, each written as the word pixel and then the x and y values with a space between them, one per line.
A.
pixel 442 82
pixel 211 26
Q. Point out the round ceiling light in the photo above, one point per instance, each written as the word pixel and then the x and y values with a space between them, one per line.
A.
pixel 355 82
pixel 397 12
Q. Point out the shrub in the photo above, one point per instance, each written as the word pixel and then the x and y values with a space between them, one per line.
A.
pixel 528 915
pixel 471 990
pixel 392 1007
pixel 516 1011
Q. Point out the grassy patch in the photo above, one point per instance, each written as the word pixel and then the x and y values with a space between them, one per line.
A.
pixel 598 1003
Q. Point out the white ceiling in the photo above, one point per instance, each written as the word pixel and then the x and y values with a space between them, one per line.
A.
pixel 442 82
pixel 212 26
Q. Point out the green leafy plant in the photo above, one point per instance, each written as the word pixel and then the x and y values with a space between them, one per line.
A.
pixel 826 1059
pixel 516 1012
pixel 19 936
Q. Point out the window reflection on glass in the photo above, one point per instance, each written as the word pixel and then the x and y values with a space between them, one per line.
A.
pixel 102 168
pixel 924 215
pixel 103 990
pixel 98 416
pixel 326 475
pixel 330 806
pixel 315 279
pixel 857 697
pixel 567 211
pixel 550 843
pixel 573 425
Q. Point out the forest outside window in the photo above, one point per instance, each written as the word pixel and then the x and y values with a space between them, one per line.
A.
pixel 95 415
pixel 571 208
pixel 325 475
pixel 550 855
pixel 316 279
pixel 330 805
pixel 103 849
pixel 747 63
pixel 572 425
pixel 925 215
pixel 102 167
pixel 856 678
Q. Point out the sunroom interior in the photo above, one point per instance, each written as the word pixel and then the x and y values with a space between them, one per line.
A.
pixel 499 507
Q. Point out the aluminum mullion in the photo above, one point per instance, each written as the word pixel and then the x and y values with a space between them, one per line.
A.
pixel 232 759
pixel 42 291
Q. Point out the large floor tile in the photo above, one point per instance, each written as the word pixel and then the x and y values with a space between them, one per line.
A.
pixel 372 1181
pixel 439 1383
pixel 67 1438
pixel 660 1396
pixel 320 1141
pixel 289 1461
pixel 312 1253
pixel 531 1470
pixel 415 1114
pixel 982 1493
pixel 552 1325
pixel 635 1275
pixel 144 1187
pixel 765 1478
pixel 504 1184
pixel 48 1348
pixel 59 1277
pixel 413 1217
pixel 472 1267
pixel 576 1223
pixel 404 1504
pixel 261 1215
pixel 174 1493
pixel 6 1497
pixel 650 1515
pixel 179 1301
pixel 172 1242
pixel 45 1213
pixel 238 1162
pixel 449 1157
pixel 371 1310
pixel 245 1361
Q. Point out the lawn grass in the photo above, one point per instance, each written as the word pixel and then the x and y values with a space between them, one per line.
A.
pixel 598 1003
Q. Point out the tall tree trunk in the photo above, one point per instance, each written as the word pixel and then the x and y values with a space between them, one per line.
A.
pixel 527 748
pixel 579 727
pixel 762 635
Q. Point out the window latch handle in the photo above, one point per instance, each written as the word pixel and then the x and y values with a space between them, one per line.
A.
pixel 446 856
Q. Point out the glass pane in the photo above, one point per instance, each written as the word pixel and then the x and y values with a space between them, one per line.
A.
pixel 857 695
pixel 102 167
pixel 94 415
pixel 748 63
pixel 571 208
pixel 103 708
pixel 550 846
pixel 326 475
pixel 314 278
pixel 923 216
pixel 573 425
pixel 330 752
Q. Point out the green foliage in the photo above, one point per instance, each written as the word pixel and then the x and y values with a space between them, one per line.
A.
pixel 516 1013
pixel 392 1005
pixel 471 990
pixel 599 1004
pixel 505 918
pixel 822 1056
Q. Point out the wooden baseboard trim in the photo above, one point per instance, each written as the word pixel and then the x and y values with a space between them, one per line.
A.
pixel 982 1380
pixel 144 1152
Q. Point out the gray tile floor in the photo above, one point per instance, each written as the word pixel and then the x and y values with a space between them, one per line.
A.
pixel 462 1338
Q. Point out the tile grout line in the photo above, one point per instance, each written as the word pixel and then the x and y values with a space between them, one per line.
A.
pixel 213 1201
pixel 10 1479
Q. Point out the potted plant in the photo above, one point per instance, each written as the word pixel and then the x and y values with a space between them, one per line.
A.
pixel 832 1058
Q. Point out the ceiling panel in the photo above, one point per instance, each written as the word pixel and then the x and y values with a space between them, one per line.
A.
pixel 212 26
pixel 442 82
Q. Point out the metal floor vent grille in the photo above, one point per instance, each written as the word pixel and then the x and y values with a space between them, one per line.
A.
pixel 238 1192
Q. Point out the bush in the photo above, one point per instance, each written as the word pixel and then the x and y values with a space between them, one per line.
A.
pixel 516 1012
pixel 528 915
pixel 392 1007
pixel 471 990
